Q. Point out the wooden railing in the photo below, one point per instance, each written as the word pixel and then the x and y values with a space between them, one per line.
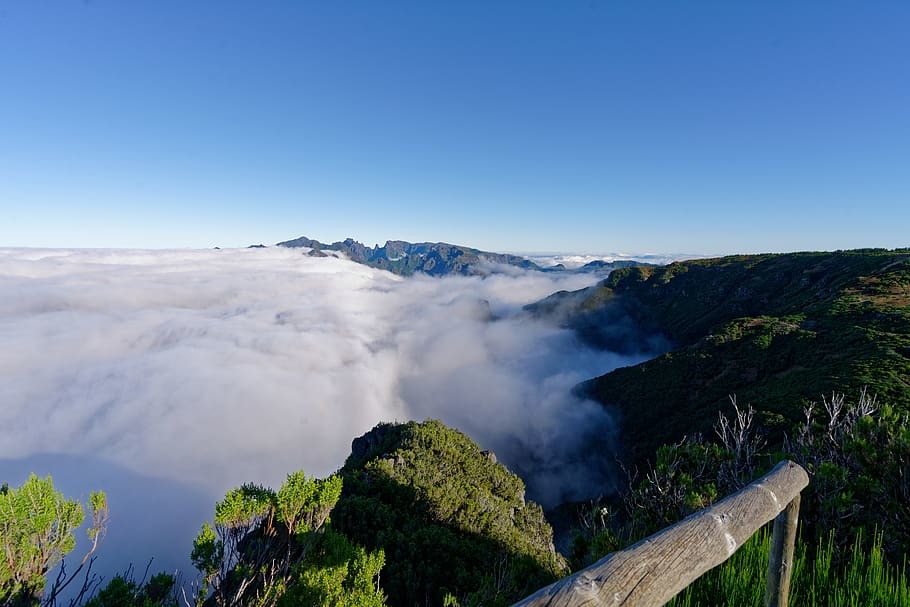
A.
pixel 655 569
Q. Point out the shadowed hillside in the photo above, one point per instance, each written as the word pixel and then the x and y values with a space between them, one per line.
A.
pixel 776 330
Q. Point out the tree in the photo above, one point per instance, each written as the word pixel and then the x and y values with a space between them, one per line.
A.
pixel 267 547
pixel 37 530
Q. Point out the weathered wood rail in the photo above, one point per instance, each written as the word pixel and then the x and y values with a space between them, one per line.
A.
pixel 655 569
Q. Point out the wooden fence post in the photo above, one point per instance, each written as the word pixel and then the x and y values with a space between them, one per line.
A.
pixel 780 561
pixel 658 567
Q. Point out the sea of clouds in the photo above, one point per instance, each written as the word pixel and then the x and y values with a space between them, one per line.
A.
pixel 167 377
pixel 575 261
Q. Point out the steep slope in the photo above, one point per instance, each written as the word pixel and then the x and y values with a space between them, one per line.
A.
pixel 449 518
pixel 777 331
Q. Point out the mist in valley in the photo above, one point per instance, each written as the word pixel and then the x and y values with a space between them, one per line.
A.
pixel 167 377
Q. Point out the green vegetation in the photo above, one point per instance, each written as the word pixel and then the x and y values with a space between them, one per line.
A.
pixel 779 330
pixel 340 575
pixel 37 527
pixel 821 577
pixel 277 548
pixel 124 591
pixel 452 522
pixel 854 515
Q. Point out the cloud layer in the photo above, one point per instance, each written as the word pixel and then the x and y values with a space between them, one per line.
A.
pixel 211 368
pixel 577 261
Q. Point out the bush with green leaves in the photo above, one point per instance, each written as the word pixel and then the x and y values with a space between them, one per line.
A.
pixel 337 574
pixel 123 591
pixel 858 458
pixel 857 455
pixel 267 547
pixel 37 530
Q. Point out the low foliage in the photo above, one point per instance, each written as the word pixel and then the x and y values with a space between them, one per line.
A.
pixel 277 548
pixel 124 591
pixel 37 530
pixel 858 457
pixel 339 574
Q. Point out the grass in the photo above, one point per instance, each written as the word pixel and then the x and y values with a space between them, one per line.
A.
pixel 823 575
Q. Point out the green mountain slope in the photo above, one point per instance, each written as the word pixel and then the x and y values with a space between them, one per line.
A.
pixel 448 517
pixel 777 331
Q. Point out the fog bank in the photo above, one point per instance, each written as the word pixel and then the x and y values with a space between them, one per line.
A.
pixel 205 369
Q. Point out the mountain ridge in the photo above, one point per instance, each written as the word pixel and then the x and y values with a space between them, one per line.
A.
pixel 406 258
pixel 439 258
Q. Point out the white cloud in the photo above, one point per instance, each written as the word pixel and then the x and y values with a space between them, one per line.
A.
pixel 211 368
pixel 573 261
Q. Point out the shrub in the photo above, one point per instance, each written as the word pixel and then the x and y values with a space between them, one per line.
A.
pixel 37 530
pixel 271 548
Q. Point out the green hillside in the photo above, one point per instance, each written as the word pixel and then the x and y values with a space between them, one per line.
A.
pixel 778 331
pixel 450 520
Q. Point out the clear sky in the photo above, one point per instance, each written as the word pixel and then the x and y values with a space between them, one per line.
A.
pixel 701 127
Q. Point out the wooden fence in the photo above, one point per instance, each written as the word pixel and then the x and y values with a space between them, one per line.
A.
pixel 655 569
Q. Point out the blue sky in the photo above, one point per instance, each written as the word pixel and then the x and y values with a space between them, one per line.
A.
pixel 700 127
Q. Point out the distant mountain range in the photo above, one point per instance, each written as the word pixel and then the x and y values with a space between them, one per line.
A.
pixel 439 258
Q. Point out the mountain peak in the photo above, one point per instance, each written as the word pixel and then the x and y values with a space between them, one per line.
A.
pixel 439 258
